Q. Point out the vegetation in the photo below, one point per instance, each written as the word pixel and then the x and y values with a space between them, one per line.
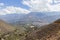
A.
pixel 16 32
pixel 47 32
pixel 30 32
pixel 14 36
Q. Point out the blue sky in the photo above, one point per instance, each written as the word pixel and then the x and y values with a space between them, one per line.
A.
pixel 13 6
pixel 27 6
pixel 17 3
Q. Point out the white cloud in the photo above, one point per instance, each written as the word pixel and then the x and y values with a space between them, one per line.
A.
pixel 41 5
pixel 1 4
pixel 12 9
pixel 35 6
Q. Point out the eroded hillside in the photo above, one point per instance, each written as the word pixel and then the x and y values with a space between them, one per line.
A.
pixel 47 32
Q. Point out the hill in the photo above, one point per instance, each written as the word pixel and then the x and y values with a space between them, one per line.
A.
pixel 5 27
pixel 9 32
pixel 47 32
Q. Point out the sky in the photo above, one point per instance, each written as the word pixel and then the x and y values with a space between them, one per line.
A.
pixel 27 6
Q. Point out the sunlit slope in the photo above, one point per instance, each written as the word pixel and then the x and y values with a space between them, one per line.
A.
pixel 5 27
pixel 9 32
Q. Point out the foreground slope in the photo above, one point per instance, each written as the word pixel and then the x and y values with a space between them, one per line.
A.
pixel 8 32
pixel 47 32
pixel 5 27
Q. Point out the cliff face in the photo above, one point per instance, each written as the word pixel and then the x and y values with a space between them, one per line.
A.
pixel 47 32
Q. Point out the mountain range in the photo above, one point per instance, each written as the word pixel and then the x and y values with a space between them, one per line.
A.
pixel 40 17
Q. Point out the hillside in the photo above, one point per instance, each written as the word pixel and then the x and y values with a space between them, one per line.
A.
pixel 5 27
pixel 9 32
pixel 47 32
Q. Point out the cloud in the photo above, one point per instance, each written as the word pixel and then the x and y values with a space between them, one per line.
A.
pixel 1 4
pixel 55 7
pixel 42 5
pixel 35 6
pixel 12 9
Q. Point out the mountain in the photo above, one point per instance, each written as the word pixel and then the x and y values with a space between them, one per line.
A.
pixel 35 17
pixel 47 32
pixel 38 18
pixel 24 18
pixel 44 16
pixel 5 27
pixel 12 17
pixel 51 19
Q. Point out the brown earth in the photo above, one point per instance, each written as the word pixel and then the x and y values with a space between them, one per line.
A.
pixel 5 27
pixel 47 32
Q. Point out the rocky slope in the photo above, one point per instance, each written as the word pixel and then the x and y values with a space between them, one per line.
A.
pixel 47 32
